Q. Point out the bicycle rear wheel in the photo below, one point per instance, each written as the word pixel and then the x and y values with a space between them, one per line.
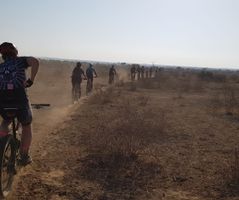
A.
pixel 88 87
pixel 7 164
pixel 76 92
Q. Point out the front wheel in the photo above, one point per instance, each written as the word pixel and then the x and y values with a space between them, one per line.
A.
pixel 7 164
pixel 76 92
pixel 111 79
pixel 89 86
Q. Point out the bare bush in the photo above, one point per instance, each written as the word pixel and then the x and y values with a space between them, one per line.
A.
pixel 230 100
pixel 212 76
pixel 225 99
pixel 230 175
pixel 126 132
pixel 148 83
pixel 235 168
pixel 215 103
pixel 102 96
pixel 120 83
pixel 143 100
pixel 132 87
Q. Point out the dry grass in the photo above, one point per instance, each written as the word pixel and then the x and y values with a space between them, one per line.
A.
pixel 127 131
pixel 230 176
pixel 120 83
pixel 102 96
pixel 230 99
pixel 137 141
pixel 235 169
pixel 225 100
pixel 116 147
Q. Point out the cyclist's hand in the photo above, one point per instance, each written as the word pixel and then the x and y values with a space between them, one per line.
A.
pixel 28 83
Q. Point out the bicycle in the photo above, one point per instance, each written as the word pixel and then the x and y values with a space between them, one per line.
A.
pixel 89 85
pixel 9 150
pixel 76 92
pixel 111 79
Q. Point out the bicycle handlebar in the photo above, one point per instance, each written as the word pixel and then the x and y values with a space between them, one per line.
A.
pixel 29 83
pixel 40 105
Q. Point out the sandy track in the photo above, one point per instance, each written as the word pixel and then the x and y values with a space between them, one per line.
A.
pixel 54 87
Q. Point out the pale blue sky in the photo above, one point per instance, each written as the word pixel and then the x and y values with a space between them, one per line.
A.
pixel 173 32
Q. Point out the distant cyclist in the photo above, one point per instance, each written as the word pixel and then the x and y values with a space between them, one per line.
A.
pixel 13 82
pixel 76 80
pixel 138 72
pixel 142 72
pixel 150 72
pixel 147 72
pixel 112 73
pixel 90 73
pixel 133 72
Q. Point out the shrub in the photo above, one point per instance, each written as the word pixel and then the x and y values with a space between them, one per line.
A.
pixel 225 99
pixel 230 175
pixel 230 100
pixel 102 96
pixel 126 132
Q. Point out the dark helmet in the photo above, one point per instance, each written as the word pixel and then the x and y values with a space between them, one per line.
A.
pixel 8 49
pixel 78 64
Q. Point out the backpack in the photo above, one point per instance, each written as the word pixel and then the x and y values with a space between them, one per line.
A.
pixel 12 78
pixel 12 74
pixel 89 72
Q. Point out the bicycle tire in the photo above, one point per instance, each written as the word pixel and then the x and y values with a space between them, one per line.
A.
pixel 7 164
pixel 76 92
pixel 89 87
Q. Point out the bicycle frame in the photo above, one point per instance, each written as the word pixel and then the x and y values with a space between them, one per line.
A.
pixel 15 126
pixel 12 116
pixel 89 86
pixel 8 154
pixel 10 145
pixel 76 92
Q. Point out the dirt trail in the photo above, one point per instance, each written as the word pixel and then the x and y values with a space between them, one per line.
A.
pixel 56 91
pixel 52 86
pixel 179 163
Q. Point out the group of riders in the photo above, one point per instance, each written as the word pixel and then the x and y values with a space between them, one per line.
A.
pixel 14 81
pixel 136 71
pixel 78 75
pixel 141 72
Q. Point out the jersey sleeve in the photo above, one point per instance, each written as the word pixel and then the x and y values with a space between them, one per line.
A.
pixel 82 71
pixel 25 64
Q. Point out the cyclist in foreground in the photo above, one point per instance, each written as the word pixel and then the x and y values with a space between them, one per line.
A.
pixel 90 72
pixel 13 82
pixel 76 80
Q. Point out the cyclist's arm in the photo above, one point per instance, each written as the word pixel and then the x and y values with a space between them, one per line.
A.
pixel 34 64
pixel 95 73
pixel 83 73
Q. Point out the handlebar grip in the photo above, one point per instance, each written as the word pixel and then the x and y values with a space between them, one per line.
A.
pixel 29 83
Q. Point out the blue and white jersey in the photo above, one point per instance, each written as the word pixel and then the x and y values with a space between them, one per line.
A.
pixel 12 78
pixel 90 72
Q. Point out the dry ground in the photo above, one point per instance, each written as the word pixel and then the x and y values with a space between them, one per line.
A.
pixel 163 139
